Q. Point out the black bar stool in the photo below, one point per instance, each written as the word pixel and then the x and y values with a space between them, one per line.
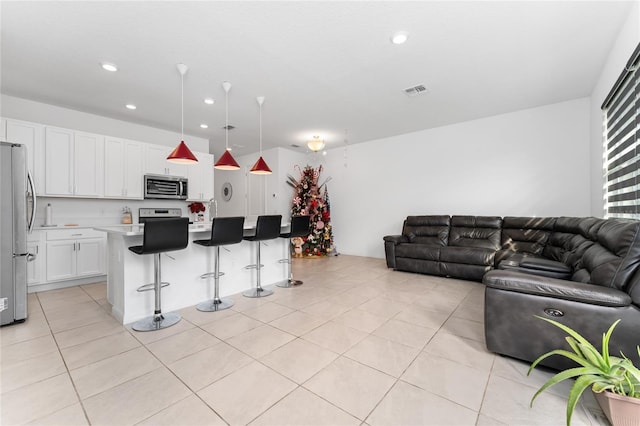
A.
pixel 299 228
pixel 224 231
pixel 160 235
pixel 267 228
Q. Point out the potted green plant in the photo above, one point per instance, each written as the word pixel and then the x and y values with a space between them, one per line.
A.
pixel 615 381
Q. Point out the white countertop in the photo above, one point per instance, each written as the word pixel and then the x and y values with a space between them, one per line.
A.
pixel 138 229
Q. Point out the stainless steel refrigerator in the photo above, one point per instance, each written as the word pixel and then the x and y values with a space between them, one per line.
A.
pixel 17 214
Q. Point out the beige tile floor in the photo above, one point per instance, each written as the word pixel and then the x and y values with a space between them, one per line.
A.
pixel 356 344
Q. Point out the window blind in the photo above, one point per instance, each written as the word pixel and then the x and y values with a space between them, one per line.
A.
pixel 621 139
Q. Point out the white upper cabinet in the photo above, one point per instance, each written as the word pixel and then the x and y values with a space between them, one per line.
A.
pixel 74 164
pixel 123 168
pixel 200 177
pixel 31 135
pixel 59 161
pixel 88 164
pixel 156 162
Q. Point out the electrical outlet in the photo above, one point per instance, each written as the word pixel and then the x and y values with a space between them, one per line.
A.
pixel 4 304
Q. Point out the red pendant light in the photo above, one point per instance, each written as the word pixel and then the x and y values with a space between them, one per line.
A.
pixel 260 168
pixel 182 154
pixel 226 161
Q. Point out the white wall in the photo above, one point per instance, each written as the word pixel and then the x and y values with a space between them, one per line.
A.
pixel 619 54
pixel 37 112
pixel 525 163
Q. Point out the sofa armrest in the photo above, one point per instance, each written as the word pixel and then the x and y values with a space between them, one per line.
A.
pixel 555 288
pixel 396 239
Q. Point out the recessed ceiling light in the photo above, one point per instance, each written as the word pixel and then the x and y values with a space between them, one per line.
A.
pixel 209 101
pixel 399 37
pixel 109 66
pixel 204 126
pixel 131 106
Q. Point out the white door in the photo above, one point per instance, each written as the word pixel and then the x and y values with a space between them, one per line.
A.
pixel 89 164
pixel 61 260
pixel 58 161
pixel 90 257
pixel 133 174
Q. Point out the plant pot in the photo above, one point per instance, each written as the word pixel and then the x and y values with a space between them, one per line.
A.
pixel 620 410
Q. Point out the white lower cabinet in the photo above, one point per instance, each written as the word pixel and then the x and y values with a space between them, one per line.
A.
pixel 75 254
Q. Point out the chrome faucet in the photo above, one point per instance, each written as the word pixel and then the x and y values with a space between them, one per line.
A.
pixel 215 203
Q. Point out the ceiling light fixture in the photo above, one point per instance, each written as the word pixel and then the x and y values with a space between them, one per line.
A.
pixel 209 101
pixel 130 106
pixel 399 37
pixel 182 154
pixel 316 144
pixel 260 168
pixel 204 126
pixel 226 161
pixel 109 66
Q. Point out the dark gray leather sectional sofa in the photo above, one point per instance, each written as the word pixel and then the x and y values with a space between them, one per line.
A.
pixel 583 272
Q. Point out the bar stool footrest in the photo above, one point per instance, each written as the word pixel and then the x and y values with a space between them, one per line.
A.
pixel 254 266
pixel 211 275
pixel 149 287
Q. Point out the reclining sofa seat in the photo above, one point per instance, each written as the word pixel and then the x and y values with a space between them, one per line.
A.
pixel 457 246
pixel 604 257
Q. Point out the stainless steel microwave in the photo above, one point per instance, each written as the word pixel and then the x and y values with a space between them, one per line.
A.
pixel 165 187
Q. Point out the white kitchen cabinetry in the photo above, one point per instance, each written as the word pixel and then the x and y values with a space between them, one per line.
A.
pixel 36 259
pixel 75 254
pixel 156 162
pixel 123 168
pixel 74 163
pixel 3 129
pixel 31 135
pixel 200 177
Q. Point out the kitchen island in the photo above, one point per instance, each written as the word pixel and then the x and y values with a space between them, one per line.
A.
pixel 128 271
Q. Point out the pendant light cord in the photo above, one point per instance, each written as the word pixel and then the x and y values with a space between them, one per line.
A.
pixel 226 120
pixel 182 106
pixel 261 129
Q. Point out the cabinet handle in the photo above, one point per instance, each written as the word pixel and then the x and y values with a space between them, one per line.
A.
pixel 74 246
pixel 76 235
pixel 78 246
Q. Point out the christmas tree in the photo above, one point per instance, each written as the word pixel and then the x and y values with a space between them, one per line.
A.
pixel 312 199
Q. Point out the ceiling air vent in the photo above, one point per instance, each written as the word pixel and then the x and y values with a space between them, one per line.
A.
pixel 293 145
pixel 415 90
pixel 229 127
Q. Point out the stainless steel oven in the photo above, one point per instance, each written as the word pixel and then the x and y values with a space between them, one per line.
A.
pixel 165 187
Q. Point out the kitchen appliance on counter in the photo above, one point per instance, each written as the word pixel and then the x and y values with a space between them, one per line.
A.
pixel 165 187
pixel 145 214
pixel 17 215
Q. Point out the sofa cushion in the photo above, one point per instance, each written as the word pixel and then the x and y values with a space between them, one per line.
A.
pixel 418 251
pixel 468 255
pixel 615 256
pixel 571 237
pixel 524 235
pixel 433 230
pixel 475 231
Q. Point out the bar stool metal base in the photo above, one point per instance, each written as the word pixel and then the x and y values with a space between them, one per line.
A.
pixel 157 322
pixel 258 292
pixel 289 283
pixel 215 305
